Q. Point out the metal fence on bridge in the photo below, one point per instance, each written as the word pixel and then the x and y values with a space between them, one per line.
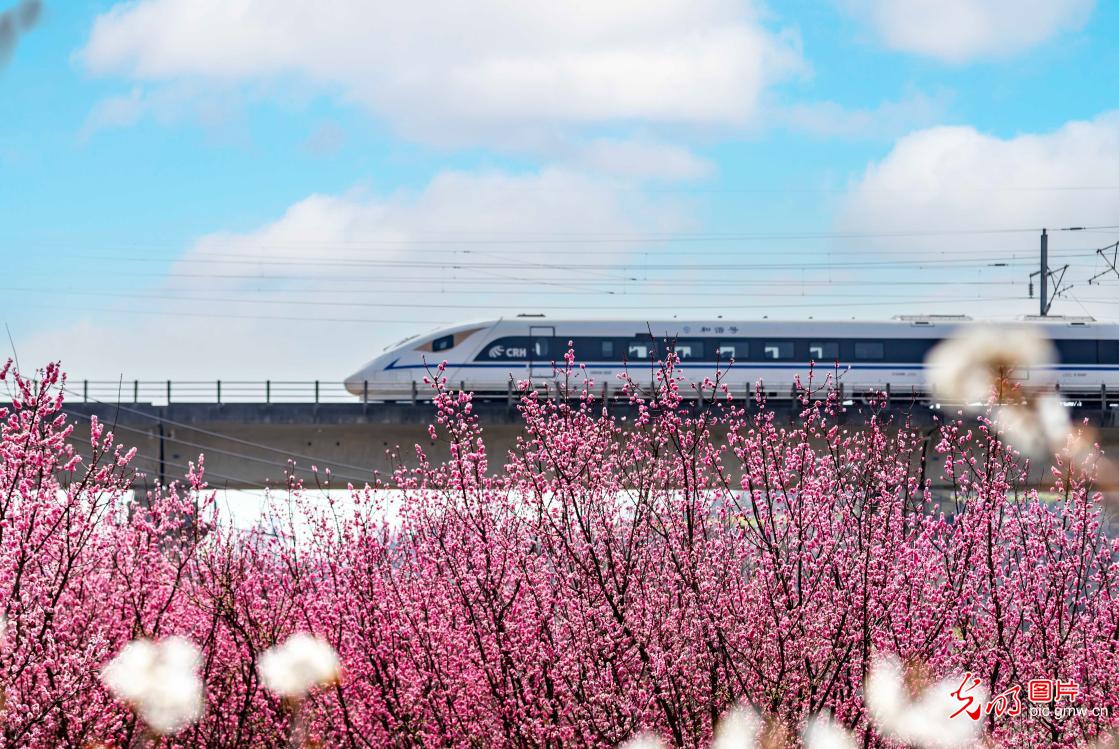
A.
pixel 210 391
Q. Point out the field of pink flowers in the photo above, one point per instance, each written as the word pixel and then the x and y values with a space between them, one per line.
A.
pixel 603 580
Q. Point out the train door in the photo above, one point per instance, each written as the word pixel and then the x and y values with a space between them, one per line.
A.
pixel 539 345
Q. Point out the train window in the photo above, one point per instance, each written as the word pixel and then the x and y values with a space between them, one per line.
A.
pixel 590 349
pixel 443 343
pixel 540 348
pixel 914 350
pixel 1077 352
pixel 1109 352
pixel 869 350
pixel 688 350
pixel 778 350
pixel 639 350
pixel 826 351
pixel 737 350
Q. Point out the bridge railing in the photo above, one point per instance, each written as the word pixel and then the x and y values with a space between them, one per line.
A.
pixel 162 392
pixel 209 391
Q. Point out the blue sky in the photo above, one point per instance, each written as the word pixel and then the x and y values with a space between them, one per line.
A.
pixel 197 188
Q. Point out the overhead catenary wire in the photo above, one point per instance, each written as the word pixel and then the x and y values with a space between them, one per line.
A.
pixel 465 285
pixel 582 307
pixel 372 254
pixel 728 309
pixel 786 289
pixel 618 286
pixel 520 264
pixel 522 237
pixel 528 250
pixel 489 281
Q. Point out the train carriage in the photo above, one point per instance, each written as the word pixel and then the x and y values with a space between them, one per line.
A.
pixel 870 356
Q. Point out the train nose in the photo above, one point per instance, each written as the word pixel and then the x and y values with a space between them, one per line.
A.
pixel 374 380
pixel 356 383
pixel 362 382
pixel 391 376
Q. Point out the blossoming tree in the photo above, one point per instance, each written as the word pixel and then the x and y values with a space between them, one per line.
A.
pixel 606 578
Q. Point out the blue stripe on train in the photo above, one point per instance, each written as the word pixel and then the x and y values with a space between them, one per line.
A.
pixel 711 365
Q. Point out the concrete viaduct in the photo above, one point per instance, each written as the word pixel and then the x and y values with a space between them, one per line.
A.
pixel 248 445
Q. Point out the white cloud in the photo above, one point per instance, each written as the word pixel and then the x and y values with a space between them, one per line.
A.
pixel 326 140
pixel 889 119
pixel 452 72
pixel 640 158
pixel 957 179
pixel 454 207
pixel 958 31
pixel 482 243
pixel 216 110
pixel 113 112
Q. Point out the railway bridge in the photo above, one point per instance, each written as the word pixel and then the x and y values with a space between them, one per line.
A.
pixel 252 432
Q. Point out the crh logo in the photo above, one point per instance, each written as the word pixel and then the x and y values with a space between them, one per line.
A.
pixel 512 352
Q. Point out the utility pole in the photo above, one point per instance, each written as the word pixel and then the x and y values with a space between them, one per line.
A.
pixel 1044 272
pixel 162 466
pixel 1044 275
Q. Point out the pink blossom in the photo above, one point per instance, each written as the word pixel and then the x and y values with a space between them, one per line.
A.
pixel 644 566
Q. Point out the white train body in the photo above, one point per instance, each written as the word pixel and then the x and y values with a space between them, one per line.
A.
pixel 485 356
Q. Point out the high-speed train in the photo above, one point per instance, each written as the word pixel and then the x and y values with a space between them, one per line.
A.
pixel 484 356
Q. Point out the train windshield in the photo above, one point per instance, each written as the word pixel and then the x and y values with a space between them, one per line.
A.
pixel 401 342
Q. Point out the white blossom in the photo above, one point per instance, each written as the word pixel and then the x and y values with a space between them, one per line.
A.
pixel 824 733
pixel 300 663
pixel 966 367
pixel 1037 428
pixel 159 680
pixel 924 721
pixel 738 729
pixel 969 366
